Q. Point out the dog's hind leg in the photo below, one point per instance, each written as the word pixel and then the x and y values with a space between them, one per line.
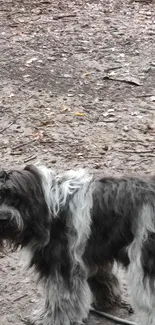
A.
pixel 105 289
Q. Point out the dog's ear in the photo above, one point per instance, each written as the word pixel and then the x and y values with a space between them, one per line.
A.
pixel 31 168
pixel 4 188
pixel 3 176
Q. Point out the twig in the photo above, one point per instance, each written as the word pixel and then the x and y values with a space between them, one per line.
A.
pixel 13 25
pixel 29 158
pixel 4 147
pixel 148 156
pixel 28 82
pixel 16 153
pixel 110 121
pixel 113 68
pixel 21 297
pixel 112 317
pixel 61 142
pixel 141 96
pixel 6 127
pixel 136 140
pixel 145 160
pixel 5 10
pixel 90 157
pixel 64 16
pixel 137 152
pixel 132 82
pixel 23 144
pixel 45 2
pixel 130 140
pixel 151 109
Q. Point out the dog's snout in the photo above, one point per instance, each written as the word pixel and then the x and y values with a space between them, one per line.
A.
pixel 4 216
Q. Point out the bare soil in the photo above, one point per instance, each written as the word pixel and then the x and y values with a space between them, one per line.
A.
pixel 77 87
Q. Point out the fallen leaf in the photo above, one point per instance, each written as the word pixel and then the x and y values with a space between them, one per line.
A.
pixel 108 114
pixel 79 114
pixel 44 123
pixel 28 62
pixel 18 153
pixel 111 110
pixel 12 95
pixel 65 108
pixel 150 127
pixel 38 135
pixel 125 128
pixel 134 113
pixel 26 76
pixel 79 154
pixel 129 79
pixel 67 75
pixel 86 74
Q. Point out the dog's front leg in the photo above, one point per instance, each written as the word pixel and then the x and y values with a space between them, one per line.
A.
pixel 67 300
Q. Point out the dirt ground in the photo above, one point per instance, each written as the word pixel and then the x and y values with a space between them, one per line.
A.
pixel 77 87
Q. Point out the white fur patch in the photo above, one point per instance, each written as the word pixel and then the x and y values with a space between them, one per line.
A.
pixel 141 291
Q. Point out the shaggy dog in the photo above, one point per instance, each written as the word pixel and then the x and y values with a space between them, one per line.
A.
pixel 75 226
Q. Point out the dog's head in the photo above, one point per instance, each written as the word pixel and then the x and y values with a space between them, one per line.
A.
pixel 24 214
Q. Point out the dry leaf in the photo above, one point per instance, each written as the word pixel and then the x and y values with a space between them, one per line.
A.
pixel 12 95
pixel 26 76
pixel 79 154
pixel 86 74
pixel 65 108
pixel 38 135
pixel 79 114
pixel 44 123
pixel 28 62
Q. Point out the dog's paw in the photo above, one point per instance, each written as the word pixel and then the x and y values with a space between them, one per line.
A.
pixel 33 321
pixel 36 322
pixel 27 321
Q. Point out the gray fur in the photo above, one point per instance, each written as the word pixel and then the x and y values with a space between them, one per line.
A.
pixel 73 227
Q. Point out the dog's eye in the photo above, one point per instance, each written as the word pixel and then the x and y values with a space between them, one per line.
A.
pixel 3 175
pixel 16 202
pixel 1 197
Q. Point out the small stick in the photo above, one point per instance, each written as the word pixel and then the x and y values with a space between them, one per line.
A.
pixel 6 127
pixel 131 140
pixel 23 144
pixel 21 297
pixel 60 142
pixel 4 147
pixel 132 82
pixel 113 68
pixel 29 158
pixel 136 140
pixel 114 318
pixel 137 152
pixel 28 82
pixel 64 16
pixel 110 121
pixel 141 96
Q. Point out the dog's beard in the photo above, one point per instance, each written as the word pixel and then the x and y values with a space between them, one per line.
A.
pixel 11 227
pixel 24 214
